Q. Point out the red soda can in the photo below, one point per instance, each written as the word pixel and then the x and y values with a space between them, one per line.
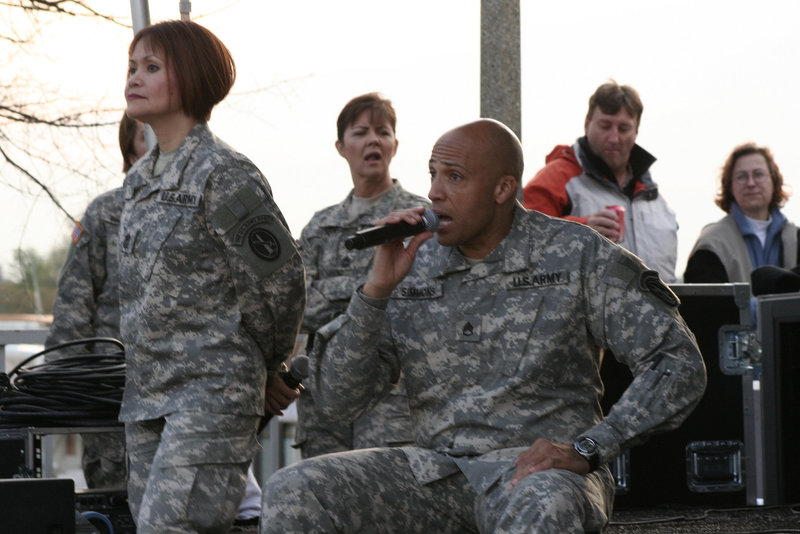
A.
pixel 621 218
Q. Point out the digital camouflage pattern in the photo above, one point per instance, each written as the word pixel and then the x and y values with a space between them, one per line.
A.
pixel 373 491
pixel 497 354
pixel 332 274
pixel 212 287
pixel 211 296
pixel 200 461
pixel 87 306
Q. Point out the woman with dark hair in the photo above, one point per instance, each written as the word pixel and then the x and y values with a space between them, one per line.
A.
pixel 211 291
pixel 365 138
pixel 755 232
pixel 132 142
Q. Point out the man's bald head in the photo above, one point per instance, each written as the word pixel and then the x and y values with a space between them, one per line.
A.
pixel 497 145
pixel 476 170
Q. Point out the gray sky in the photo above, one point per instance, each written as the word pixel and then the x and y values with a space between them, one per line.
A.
pixel 712 74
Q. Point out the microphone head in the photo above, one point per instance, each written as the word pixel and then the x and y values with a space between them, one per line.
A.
pixel 299 367
pixel 297 372
pixel 430 220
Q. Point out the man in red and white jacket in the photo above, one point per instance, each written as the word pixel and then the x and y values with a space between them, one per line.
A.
pixel 606 168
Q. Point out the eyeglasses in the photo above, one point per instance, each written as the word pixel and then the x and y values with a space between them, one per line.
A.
pixel 758 176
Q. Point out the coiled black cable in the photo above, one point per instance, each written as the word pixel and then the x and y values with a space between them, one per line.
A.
pixel 81 386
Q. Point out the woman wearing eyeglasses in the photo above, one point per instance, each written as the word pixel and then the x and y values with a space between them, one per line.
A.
pixel 755 232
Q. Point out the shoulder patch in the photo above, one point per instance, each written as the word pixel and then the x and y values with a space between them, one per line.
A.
pixel 77 232
pixel 650 281
pixel 628 271
pixel 254 231
pixel 624 270
pixel 236 208
pixel 264 244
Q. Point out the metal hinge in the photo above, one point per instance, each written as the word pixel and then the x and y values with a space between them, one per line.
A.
pixel 739 350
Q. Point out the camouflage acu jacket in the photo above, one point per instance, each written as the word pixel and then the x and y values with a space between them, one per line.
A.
pixel 508 350
pixel 332 271
pixel 87 303
pixel 211 284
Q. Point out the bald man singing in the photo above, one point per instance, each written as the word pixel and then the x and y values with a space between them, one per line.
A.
pixel 499 326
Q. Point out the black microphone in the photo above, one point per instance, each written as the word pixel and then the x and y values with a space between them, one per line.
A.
pixel 297 372
pixel 292 377
pixel 377 235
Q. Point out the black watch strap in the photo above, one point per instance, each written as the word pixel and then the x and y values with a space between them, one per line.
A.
pixel 587 447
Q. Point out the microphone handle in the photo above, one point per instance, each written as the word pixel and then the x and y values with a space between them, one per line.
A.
pixel 378 235
pixel 292 377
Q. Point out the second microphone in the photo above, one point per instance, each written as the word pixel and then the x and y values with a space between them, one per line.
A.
pixel 377 235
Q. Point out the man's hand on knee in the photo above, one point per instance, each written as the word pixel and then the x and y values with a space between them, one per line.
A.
pixel 546 454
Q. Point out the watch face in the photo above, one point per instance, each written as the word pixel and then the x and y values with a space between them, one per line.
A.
pixel 587 445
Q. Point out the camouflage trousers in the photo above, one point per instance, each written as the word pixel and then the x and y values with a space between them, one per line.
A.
pixel 374 491
pixel 188 471
pixel 316 434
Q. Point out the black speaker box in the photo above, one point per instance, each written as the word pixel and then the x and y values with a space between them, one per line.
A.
pixel 710 441
pixel 37 505
pixel 779 330
pixel 12 453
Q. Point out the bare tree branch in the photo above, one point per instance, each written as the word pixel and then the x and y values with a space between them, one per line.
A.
pixel 36 181
pixel 73 8
pixel 55 142
pixel 73 120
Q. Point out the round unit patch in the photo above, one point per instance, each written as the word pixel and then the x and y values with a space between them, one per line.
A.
pixel 264 244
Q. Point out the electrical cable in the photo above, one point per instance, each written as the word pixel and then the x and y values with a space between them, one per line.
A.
pixel 100 521
pixel 81 386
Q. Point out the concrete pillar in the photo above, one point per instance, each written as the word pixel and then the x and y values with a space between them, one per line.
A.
pixel 500 63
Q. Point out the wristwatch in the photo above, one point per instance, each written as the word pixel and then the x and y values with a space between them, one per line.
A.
pixel 587 447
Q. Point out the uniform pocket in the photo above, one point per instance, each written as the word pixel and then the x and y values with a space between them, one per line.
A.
pixel 141 245
pixel 516 328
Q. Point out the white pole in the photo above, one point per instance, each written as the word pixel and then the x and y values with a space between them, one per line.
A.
pixel 140 13
pixel 185 7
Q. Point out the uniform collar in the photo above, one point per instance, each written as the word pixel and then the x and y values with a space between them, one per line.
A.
pixel 141 174
pixel 339 212
pixel 510 255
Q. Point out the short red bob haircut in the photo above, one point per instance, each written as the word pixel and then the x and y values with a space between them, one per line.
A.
pixel 203 66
